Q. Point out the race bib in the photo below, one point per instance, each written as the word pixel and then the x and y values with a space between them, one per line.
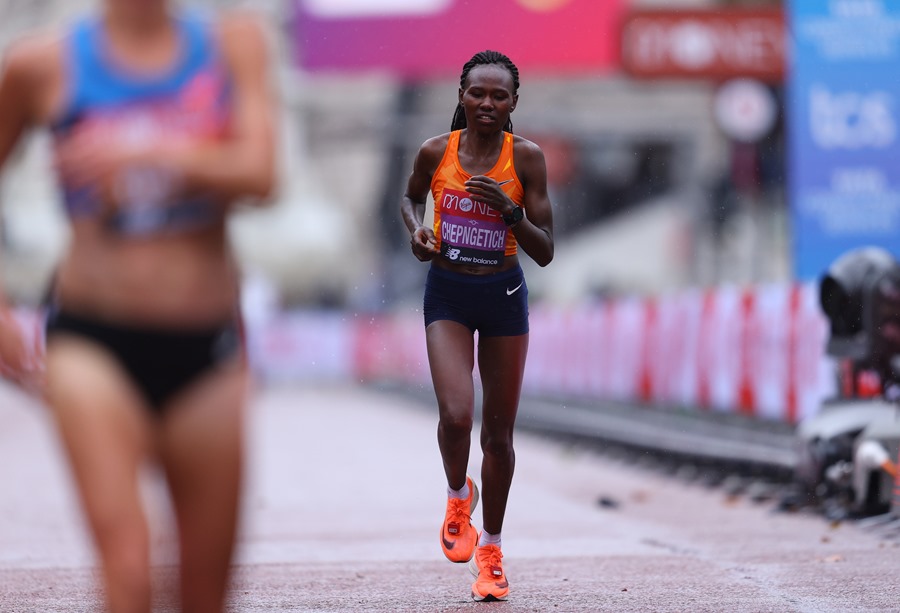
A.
pixel 471 231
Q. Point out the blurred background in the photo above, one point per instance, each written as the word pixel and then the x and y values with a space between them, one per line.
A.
pixel 654 189
pixel 685 269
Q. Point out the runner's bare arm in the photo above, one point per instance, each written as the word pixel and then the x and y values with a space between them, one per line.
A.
pixel 412 207
pixel 534 234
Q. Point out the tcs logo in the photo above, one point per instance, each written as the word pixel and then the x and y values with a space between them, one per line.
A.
pixel 852 119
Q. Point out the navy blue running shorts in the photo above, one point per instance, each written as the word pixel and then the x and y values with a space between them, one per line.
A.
pixel 494 304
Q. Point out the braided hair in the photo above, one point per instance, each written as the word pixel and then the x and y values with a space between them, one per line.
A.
pixel 484 58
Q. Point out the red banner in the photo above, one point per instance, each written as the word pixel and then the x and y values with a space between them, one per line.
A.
pixel 705 44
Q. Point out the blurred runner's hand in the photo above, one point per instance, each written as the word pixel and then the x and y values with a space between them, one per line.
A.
pixel 21 359
pixel 106 166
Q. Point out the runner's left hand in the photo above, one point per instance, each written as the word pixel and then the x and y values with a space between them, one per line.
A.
pixel 487 190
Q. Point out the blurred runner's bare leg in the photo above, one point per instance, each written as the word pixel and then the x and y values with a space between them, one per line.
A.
pixel 201 446
pixel 106 431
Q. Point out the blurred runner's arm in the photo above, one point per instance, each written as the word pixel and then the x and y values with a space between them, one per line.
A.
pixel 21 71
pixel 243 164
pixel 29 84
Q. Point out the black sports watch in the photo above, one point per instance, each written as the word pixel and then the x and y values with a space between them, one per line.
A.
pixel 515 216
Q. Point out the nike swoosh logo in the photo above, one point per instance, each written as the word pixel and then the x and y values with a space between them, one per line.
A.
pixel 448 544
pixel 510 292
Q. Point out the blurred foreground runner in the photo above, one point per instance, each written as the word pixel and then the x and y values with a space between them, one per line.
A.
pixel 161 119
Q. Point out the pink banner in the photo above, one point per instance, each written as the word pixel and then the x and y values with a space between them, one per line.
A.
pixel 758 351
pixel 423 38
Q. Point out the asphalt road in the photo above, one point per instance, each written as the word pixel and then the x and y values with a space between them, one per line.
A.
pixel 345 497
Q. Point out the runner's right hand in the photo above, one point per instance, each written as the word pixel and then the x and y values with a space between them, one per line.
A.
pixel 423 243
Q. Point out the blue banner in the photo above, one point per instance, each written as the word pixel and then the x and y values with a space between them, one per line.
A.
pixel 843 129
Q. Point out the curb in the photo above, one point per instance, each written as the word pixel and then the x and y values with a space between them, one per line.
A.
pixel 685 434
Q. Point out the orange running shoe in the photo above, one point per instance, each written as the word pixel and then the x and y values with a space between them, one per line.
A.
pixel 458 535
pixel 490 580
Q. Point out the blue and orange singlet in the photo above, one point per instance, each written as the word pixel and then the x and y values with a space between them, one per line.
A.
pixel 188 103
pixel 469 231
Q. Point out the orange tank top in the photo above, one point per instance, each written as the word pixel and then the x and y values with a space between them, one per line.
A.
pixel 469 231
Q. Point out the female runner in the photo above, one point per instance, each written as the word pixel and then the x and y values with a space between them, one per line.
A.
pixel 160 120
pixel 490 199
